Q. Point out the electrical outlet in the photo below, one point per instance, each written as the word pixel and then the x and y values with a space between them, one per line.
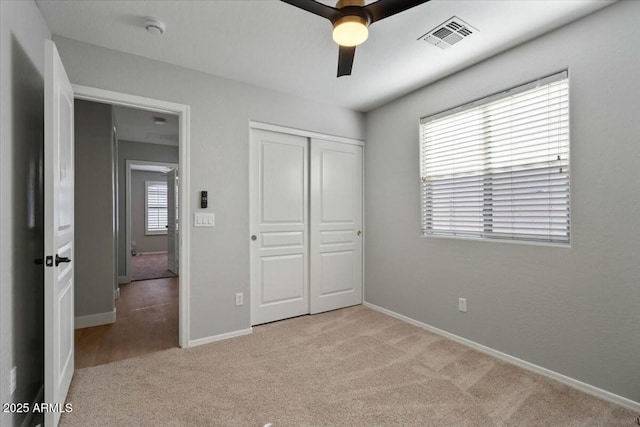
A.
pixel 13 380
pixel 239 298
pixel 462 305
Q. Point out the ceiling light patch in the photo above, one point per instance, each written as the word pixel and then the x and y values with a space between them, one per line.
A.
pixel 449 33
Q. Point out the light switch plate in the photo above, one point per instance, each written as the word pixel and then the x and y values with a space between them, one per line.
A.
pixel 204 219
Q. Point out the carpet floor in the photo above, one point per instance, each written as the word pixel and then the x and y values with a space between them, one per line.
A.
pixel 151 266
pixel 350 367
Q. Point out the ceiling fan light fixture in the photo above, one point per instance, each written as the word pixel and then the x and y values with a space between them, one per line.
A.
pixel 350 30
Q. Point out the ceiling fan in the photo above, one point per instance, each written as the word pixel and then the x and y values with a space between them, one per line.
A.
pixel 351 19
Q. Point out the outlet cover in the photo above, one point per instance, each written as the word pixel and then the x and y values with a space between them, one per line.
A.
pixel 239 298
pixel 462 305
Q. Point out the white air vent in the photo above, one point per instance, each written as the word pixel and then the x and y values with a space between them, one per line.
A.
pixel 449 33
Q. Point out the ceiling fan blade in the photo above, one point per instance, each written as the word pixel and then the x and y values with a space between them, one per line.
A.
pixel 332 14
pixel 345 60
pixel 385 8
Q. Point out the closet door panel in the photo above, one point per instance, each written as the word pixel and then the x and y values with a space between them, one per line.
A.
pixel 335 225
pixel 279 198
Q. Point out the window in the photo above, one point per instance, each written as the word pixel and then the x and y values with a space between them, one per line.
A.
pixel 498 168
pixel 155 207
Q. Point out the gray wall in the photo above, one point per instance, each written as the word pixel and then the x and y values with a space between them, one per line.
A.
pixel 22 35
pixel 94 210
pixel 572 310
pixel 130 150
pixel 220 114
pixel 144 243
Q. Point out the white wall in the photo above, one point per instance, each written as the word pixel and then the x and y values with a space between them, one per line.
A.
pixel 220 114
pixel 573 310
pixel 22 35
pixel 94 210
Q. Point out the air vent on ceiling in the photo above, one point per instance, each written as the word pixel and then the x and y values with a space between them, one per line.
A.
pixel 449 33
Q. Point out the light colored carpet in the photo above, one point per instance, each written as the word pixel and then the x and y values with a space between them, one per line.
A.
pixel 351 367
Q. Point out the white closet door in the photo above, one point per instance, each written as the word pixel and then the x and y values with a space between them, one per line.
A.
pixel 279 226
pixel 336 224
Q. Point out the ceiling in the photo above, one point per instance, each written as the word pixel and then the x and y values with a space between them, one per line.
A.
pixel 274 45
pixel 133 124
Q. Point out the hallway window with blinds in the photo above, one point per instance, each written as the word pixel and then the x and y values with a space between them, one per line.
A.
pixel 155 207
pixel 498 168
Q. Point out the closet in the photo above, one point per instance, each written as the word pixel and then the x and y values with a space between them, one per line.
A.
pixel 306 224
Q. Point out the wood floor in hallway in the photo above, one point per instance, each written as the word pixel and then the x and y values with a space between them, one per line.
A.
pixel 147 321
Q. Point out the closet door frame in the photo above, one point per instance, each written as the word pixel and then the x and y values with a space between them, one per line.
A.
pixel 255 125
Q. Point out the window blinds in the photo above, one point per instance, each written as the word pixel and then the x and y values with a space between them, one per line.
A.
pixel 498 168
pixel 156 205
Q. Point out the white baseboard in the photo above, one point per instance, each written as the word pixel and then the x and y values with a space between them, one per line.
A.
pixel 572 382
pixel 214 338
pixel 116 293
pixel 95 319
pixel 29 418
pixel 123 280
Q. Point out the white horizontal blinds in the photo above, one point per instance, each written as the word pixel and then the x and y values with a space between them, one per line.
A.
pixel 156 206
pixel 499 167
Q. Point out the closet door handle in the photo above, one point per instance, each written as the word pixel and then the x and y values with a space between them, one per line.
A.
pixel 254 237
pixel 359 233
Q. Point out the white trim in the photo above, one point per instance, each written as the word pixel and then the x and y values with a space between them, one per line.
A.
pixel 26 422
pixel 126 100
pixel 214 338
pixel 95 319
pixel 123 280
pixel 116 293
pixel 184 119
pixel 305 133
pixel 579 385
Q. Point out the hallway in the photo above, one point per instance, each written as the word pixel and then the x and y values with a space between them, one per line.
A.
pixel 147 321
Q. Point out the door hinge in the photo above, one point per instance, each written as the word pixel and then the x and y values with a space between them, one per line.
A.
pixel 49 261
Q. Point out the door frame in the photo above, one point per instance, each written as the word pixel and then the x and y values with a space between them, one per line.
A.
pixel 128 239
pixel 183 112
pixel 309 135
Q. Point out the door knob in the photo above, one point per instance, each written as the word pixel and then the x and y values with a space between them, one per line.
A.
pixel 60 259
pixel 254 237
pixel 359 232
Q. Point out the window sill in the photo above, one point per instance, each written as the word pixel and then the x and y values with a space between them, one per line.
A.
pixel 512 242
pixel 155 233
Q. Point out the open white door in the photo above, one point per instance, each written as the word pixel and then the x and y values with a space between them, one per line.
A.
pixel 172 222
pixel 58 232
pixel 336 225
